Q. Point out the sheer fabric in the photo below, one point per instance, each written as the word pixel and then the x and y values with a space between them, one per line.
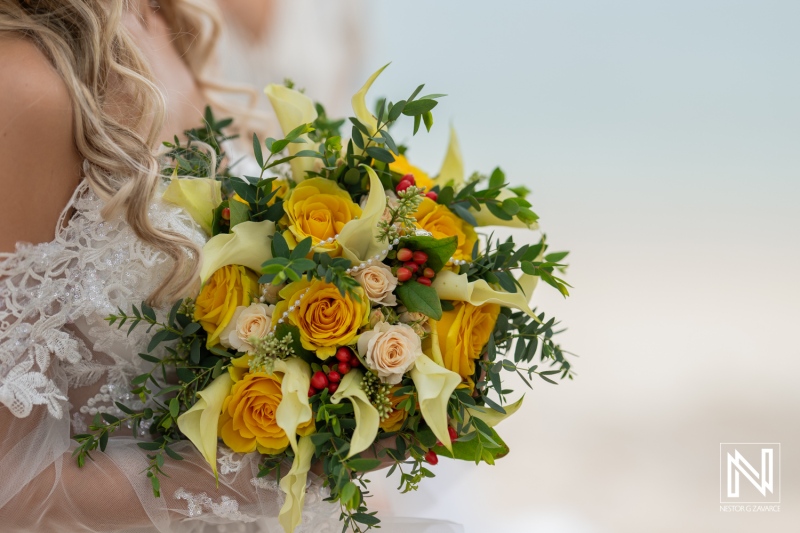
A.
pixel 60 363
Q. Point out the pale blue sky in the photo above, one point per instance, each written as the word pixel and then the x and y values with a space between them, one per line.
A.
pixel 662 142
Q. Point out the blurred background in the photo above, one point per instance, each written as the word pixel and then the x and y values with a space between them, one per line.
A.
pixel 660 140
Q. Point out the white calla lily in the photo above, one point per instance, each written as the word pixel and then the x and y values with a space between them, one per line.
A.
pixel 198 196
pixel 294 485
pixel 359 238
pixel 199 423
pixel 359 102
pixel 452 171
pixel 367 417
pixel 434 384
pixel 248 244
pixel 293 109
pixel 294 409
pixel 452 286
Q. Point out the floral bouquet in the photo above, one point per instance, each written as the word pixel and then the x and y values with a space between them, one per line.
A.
pixel 350 312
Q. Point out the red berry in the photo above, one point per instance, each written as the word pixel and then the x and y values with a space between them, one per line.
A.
pixel 344 368
pixel 403 274
pixel 226 213
pixel 344 354
pixel 332 387
pixel 431 457
pixel 334 376
pixel 319 380
pixel 403 185
pixel 311 391
pixel 409 177
pixel 432 195
pixel 452 432
pixel 354 362
pixel 425 281
pixel 413 267
pixel 420 258
pixel 428 273
pixel 404 254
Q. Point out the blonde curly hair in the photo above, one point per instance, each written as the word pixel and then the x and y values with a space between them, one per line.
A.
pixel 91 49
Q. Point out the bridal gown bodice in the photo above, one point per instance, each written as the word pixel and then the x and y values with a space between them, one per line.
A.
pixel 61 363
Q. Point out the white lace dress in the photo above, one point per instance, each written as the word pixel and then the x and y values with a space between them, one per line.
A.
pixel 60 363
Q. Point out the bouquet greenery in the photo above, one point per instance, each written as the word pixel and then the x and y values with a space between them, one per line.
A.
pixel 349 313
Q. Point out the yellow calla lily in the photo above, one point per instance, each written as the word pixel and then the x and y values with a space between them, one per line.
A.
pixel 293 409
pixel 294 485
pixel 359 238
pixel 367 417
pixel 199 423
pixel 293 109
pixel 434 385
pixel 492 417
pixel 452 286
pixel 359 102
pixel 452 171
pixel 248 244
pixel 198 196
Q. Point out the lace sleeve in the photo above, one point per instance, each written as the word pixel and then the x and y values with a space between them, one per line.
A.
pixel 54 346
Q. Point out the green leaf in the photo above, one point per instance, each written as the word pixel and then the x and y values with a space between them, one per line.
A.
pixel 347 492
pixel 190 329
pixel 161 336
pixel 257 151
pixel 419 107
pixel 150 358
pixel 239 212
pixel 555 257
pixel 427 118
pixel 280 248
pixel 380 154
pixel 174 407
pixel 439 250
pixel 363 465
pixel 510 206
pixel 148 312
pixel 420 298
pixel 368 519
pixel 149 446
pixel 473 449
pixel 396 110
pixel 173 454
pixel 302 249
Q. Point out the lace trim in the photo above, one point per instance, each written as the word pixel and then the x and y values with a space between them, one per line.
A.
pixel 198 504
pixel 92 267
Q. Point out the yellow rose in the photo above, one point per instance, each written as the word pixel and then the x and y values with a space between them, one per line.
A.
pixel 228 288
pixel 463 333
pixel 396 418
pixel 319 208
pixel 443 223
pixel 402 166
pixel 325 318
pixel 248 421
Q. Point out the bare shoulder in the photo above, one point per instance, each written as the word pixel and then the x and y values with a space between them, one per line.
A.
pixel 39 162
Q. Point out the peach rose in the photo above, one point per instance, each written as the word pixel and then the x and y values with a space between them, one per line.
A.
pixel 379 283
pixel 390 350
pixel 247 322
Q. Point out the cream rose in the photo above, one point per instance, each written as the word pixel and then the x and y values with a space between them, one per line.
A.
pixel 247 322
pixel 390 350
pixel 379 283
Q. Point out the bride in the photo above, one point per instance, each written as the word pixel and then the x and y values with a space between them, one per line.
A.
pixel 86 85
